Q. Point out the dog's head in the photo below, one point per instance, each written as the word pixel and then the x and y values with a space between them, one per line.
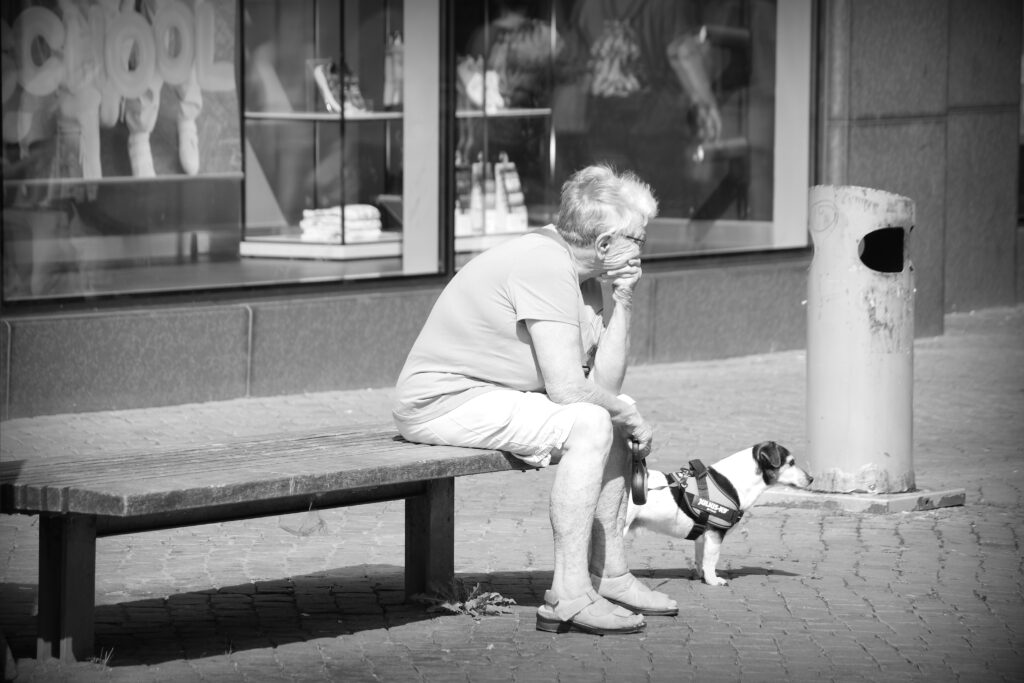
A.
pixel 778 466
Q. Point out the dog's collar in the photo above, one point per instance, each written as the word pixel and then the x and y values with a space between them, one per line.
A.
pixel 706 496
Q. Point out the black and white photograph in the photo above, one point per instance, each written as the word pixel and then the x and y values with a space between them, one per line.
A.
pixel 512 341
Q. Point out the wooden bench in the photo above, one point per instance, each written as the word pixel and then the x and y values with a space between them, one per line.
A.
pixel 83 497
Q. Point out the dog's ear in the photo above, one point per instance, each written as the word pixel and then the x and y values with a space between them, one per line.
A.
pixel 769 455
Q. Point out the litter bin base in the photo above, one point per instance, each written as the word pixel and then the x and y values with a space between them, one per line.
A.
pixel 870 479
pixel 881 503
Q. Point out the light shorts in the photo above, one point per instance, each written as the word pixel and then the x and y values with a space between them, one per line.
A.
pixel 527 424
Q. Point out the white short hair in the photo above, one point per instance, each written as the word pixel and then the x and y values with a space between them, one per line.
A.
pixel 596 199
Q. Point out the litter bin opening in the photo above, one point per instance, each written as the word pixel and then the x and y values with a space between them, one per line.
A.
pixel 882 250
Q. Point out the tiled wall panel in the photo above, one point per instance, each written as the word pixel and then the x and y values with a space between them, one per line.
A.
pixel 722 312
pixel 898 58
pixel 984 52
pixel 126 360
pixel 335 343
pixel 981 209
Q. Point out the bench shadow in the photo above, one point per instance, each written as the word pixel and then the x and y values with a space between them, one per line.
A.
pixel 259 615
pixel 219 621
pixel 18 617
pixel 268 614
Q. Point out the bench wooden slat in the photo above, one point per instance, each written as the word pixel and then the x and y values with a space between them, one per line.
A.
pixel 230 453
pixel 85 469
pixel 280 466
pixel 146 467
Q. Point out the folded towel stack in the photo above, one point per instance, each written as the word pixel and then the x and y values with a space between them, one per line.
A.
pixel 361 224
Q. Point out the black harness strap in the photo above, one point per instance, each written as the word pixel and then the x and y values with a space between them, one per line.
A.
pixel 678 488
pixel 734 513
pixel 698 512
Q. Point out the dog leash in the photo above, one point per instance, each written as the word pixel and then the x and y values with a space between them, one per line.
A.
pixel 638 484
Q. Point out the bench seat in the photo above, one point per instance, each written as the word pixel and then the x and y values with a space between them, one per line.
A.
pixel 87 495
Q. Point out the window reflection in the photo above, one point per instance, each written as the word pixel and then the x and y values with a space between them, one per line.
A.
pixel 680 91
pixel 121 156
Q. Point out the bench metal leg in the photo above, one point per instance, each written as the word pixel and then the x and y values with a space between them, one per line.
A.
pixel 430 538
pixel 67 587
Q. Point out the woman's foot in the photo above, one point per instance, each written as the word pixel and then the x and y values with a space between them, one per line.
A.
pixel 589 613
pixel 627 591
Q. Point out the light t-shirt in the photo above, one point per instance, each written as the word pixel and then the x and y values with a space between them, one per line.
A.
pixel 475 338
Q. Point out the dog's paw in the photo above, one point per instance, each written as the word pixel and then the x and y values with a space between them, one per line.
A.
pixel 715 580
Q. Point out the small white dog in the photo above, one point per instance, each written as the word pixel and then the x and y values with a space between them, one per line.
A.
pixel 702 504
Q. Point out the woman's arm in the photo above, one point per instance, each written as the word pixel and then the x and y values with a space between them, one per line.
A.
pixel 610 362
pixel 557 348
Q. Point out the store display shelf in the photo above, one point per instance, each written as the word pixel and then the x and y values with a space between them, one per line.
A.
pixel 120 180
pixel 388 245
pixel 164 246
pixel 323 116
pixel 502 113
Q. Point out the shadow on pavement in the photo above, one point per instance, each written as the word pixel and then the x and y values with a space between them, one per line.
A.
pixel 273 613
pixel 229 619
pixel 18 617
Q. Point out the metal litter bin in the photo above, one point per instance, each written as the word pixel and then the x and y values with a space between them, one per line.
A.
pixel 860 341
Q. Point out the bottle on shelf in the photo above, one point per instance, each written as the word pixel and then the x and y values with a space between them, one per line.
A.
pixel 492 219
pixel 463 196
pixel 510 199
pixel 393 72
pixel 476 198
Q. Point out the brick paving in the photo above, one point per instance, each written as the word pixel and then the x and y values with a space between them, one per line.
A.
pixel 815 594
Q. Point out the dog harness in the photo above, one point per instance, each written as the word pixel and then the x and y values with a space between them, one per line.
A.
pixel 707 497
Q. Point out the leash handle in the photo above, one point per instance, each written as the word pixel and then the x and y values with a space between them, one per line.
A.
pixel 638 484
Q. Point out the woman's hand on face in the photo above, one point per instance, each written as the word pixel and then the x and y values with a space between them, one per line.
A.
pixel 624 279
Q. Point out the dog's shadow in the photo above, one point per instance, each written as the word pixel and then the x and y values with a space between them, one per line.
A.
pixel 691 573
pixel 527 587
pixel 753 571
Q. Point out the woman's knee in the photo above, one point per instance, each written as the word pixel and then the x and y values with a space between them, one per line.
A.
pixel 592 429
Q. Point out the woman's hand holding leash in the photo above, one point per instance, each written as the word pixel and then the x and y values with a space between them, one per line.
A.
pixel 639 434
pixel 635 428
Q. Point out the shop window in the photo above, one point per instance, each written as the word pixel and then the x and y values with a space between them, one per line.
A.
pixel 122 169
pixel 326 122
pixel 708 102
pixel 179 145
pixel 175 145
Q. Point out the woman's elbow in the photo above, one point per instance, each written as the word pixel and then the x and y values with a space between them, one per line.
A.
pixel 564 393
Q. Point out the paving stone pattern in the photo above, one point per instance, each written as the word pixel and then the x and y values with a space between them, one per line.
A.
pixel 815 594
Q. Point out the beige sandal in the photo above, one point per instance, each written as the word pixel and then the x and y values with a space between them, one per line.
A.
pixel 589 613
pixel 628 592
